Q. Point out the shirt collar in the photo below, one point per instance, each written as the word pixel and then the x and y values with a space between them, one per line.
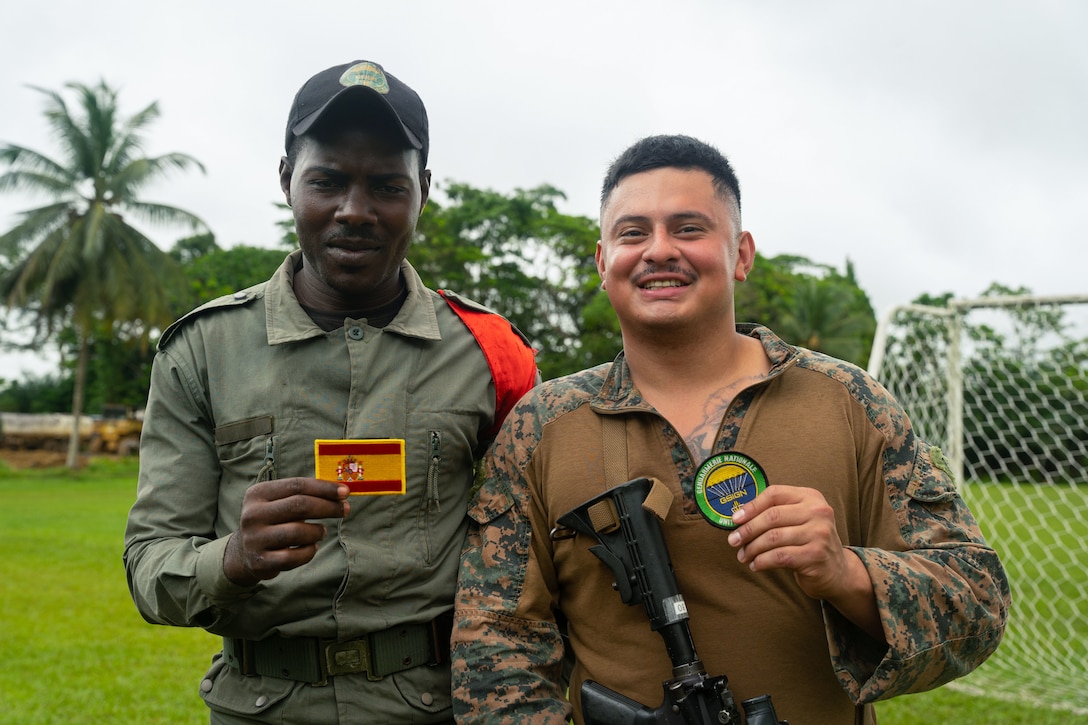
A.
pixel 286 321
pixel 618 391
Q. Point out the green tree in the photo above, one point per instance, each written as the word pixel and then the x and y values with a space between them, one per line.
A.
pixel 824 318
pixel 118 372
pixel 211 271
pixel 45 393
pixel 521 256
pixel 811 305
pixel 289 240
pixel 1040 442
pixel 77 260
pixel 768 292
pixel 1024 375
pixel 119 369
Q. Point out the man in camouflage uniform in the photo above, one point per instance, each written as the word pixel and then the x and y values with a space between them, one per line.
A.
pixel 857 574
pixel 329 612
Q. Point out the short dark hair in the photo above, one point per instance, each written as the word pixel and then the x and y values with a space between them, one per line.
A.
pixel 680 152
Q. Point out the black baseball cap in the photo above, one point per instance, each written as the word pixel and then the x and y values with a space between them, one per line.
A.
pixel 360 79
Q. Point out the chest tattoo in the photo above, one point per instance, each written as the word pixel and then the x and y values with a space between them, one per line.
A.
pixel 701 439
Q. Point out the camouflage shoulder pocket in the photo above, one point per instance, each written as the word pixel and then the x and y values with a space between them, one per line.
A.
pixel 490 501
pixel 496 554
pixel 932 480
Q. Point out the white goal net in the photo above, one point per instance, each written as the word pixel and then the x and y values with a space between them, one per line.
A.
pixel 1001 385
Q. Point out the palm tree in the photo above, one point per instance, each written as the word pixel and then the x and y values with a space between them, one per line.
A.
pixel 828 317
pixel 77 261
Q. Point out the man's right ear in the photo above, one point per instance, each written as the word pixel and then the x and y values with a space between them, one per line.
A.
pixel 285 178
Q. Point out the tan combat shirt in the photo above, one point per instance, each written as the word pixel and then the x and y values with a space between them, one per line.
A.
pixel 816 422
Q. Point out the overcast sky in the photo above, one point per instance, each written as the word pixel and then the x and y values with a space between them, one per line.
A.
pixel 940 146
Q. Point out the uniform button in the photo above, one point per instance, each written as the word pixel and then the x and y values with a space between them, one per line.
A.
pixel 239 295
pixel 261 701
pixel 355 333
pixel 205 685
pixel 426 698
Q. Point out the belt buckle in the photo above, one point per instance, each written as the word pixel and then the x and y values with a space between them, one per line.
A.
pixel 346 657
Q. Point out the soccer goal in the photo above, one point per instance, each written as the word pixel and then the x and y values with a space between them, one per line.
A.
pixel 1000 384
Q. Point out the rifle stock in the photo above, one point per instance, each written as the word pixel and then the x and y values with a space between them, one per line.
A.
pixel 624 522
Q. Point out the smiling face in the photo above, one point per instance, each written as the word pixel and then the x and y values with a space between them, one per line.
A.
pixel 669 254
pixel 356 195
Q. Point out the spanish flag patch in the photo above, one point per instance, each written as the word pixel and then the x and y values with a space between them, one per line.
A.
pixel 368 467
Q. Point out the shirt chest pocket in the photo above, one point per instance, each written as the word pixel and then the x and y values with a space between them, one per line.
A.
pixel 247 449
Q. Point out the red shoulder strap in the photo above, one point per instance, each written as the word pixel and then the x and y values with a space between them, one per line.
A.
pixel 511 360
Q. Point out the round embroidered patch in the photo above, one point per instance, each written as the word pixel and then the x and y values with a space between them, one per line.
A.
pixel 724 483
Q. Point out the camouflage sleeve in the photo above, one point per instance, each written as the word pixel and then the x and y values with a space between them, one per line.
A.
pixel 506 647
pixel 943 598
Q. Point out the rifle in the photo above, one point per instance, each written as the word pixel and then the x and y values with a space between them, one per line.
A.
pixel 624 520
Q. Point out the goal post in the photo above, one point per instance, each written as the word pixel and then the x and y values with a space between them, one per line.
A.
pixel 1000 384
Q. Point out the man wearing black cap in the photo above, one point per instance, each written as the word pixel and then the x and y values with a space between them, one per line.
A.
pixel 309 443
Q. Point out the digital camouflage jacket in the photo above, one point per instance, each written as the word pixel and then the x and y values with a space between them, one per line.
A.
pixel 814 421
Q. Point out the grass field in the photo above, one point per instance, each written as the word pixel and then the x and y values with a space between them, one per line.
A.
pixel 1041 533
pixel 74 648
pixel 75 651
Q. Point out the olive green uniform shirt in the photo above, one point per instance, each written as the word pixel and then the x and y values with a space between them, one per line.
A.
pixel 240 390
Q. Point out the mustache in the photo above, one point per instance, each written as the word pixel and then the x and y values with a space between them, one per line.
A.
pixel 354 235
pixel 671 268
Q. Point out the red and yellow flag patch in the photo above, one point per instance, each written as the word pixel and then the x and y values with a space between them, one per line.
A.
pixel 368 467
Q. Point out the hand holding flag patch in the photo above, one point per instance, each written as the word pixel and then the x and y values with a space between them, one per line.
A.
pixel 372 467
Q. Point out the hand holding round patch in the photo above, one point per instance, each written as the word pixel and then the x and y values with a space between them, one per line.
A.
pixel 726 482
pixel 790 527
pixel 786 527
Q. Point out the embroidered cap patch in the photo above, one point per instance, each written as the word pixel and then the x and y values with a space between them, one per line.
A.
pixel 365 74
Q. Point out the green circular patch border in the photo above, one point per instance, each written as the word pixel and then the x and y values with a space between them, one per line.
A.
pixel 759 478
